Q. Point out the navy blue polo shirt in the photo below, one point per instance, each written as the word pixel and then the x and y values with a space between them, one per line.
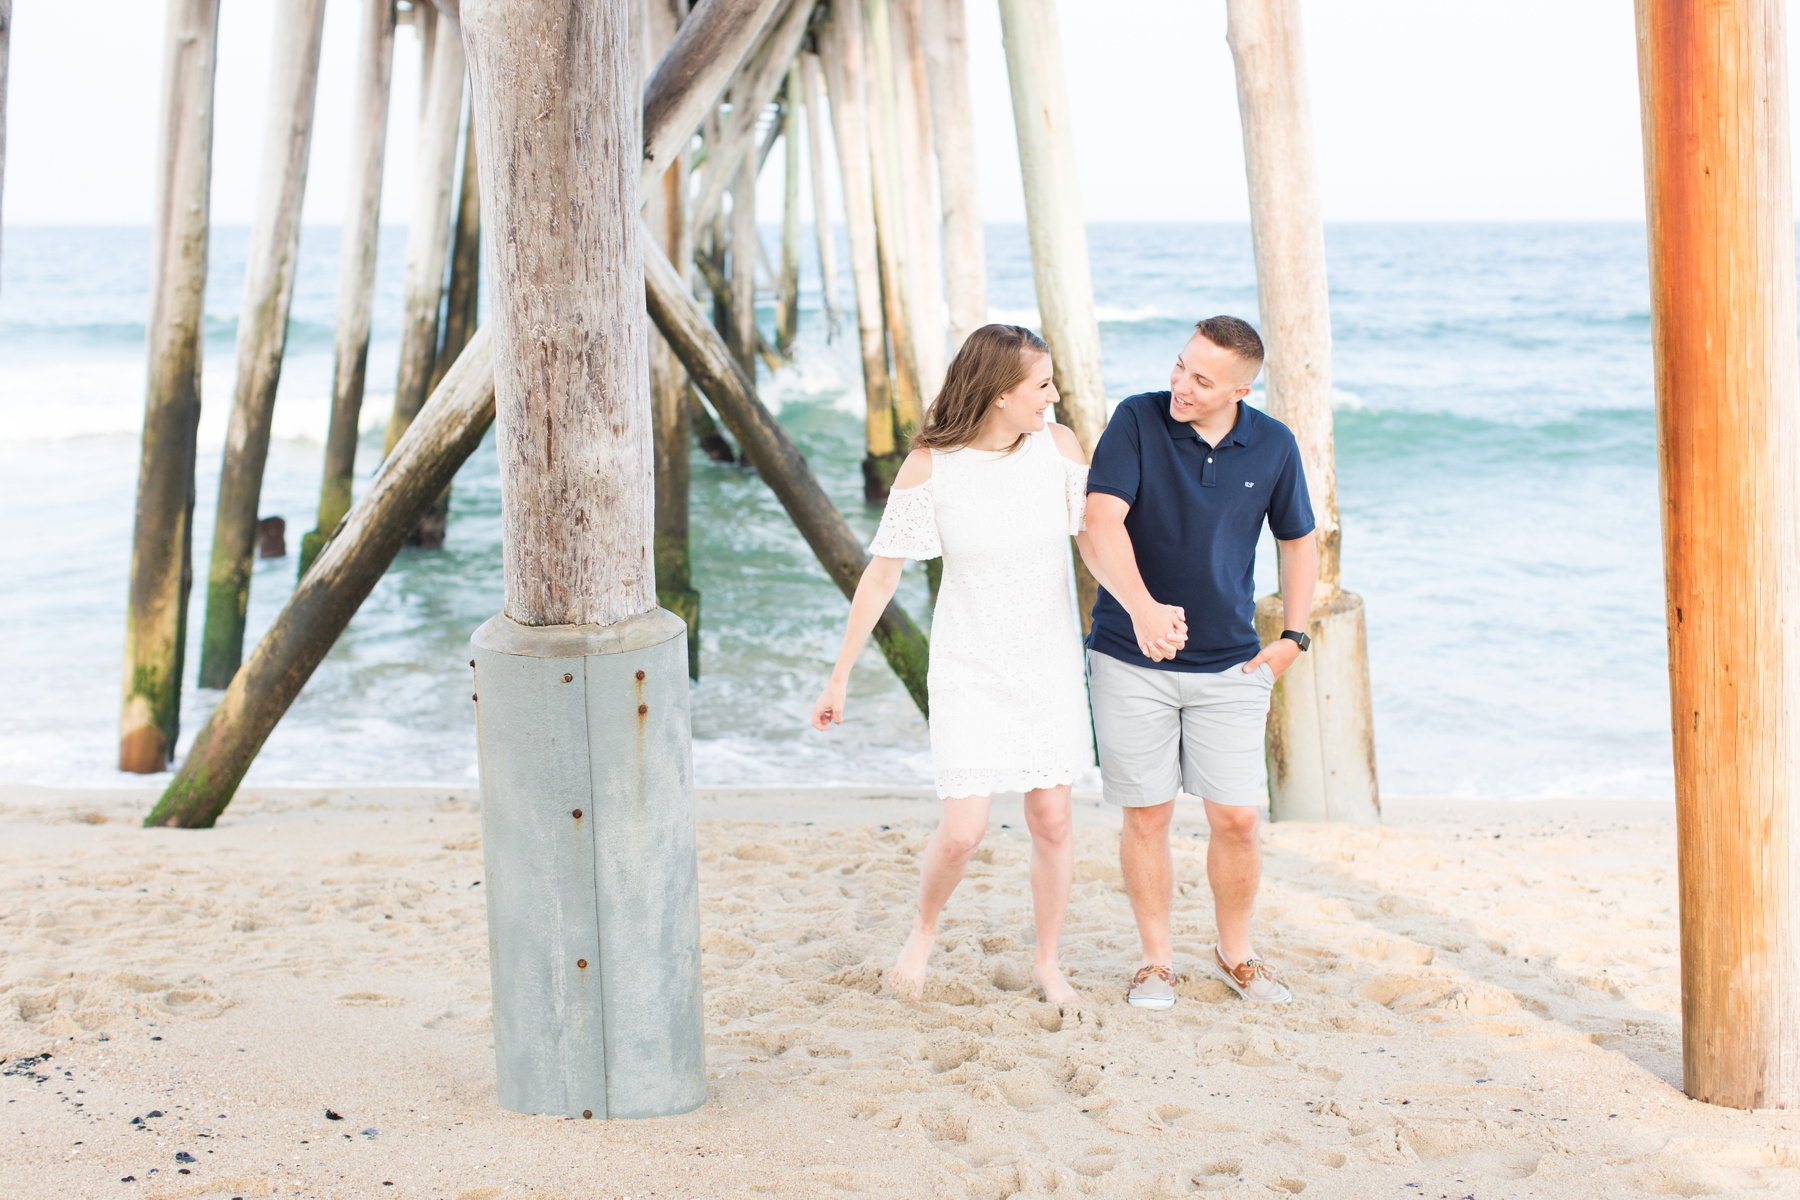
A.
pixel 1196 513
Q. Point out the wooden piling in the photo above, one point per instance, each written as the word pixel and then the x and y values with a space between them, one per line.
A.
pixel 656 23
pixel 753 89
pixel 844 61
pixel 946 50
pixel 925 258
pixel 672 401
pixel 815 144
pixel 462 311
pixel 891 240
pixel 1059 254
pixel 425 23
pixel 572 410
pixel 428 234
pixel 1718 178
pixel 686 85
pixel 356 272
pixel 767 447
pixel 1321 730
pixel 787 308
pixel 462 298
pixel 745 244
pixel 262 331
pixel 162 536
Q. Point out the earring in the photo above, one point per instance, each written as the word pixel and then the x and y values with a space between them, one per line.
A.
pixel 1002 403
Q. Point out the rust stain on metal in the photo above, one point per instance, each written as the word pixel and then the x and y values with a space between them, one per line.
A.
pixel 582 963
pixel 578 814
pixel 642 709
pixel 568 678
pixel 640 677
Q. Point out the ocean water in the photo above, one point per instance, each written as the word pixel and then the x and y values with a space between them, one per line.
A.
pixel 1496 469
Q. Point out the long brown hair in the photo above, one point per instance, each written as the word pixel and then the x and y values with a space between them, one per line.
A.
pixel 993 361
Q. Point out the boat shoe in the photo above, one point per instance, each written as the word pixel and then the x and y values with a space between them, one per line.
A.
pixel 1152 987
pixel 1251 979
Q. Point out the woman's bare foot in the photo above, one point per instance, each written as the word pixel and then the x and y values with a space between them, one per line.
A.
pixel 1051 983
pixel 908 976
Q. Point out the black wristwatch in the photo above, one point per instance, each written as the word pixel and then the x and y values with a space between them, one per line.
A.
pixel 1298 638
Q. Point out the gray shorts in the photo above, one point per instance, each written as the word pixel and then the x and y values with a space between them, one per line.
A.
pixel 1163 732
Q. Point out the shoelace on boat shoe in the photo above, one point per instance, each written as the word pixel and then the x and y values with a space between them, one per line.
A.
pixel 1166 975
pixel 1247 971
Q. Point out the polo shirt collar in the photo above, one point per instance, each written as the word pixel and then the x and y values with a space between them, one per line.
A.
pixel 1240 434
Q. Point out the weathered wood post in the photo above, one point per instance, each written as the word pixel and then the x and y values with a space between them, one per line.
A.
pixel 587 776
pixel 356 272
pixel 1718 179
pixel 946 47
pixel 1321 734
pixel 925 258
pixel 777 460
pixel 821 190
pixel 844 60
pixel 462 310
pixel 742 280
pixel 787 310
pixel 754 87
pixel 1059 254
pixel 876 39
pixel 424 22
pixel 262 332
pixel 429 231
pixel 665 215
pixel 462 307
pixel 163 536
pixel 687 82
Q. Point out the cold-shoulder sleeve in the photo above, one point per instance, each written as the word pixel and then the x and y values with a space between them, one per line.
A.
pixel 1075 477
pixel 909 526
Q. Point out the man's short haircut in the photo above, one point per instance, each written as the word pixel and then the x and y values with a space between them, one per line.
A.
pixel 1229 333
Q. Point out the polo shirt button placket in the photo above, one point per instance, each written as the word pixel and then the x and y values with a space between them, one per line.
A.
pixel 1207 472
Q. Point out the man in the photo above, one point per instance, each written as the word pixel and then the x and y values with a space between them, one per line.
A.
pixel 1181 484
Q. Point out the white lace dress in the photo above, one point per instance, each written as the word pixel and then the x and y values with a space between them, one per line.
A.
pixel 1009 705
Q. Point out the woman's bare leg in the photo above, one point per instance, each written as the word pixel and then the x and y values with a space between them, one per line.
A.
pixel 1048 816
pixel 960 829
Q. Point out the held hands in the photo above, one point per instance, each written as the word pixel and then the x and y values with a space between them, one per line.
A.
pixel 1161 631
pixel 828 710
pixel 1279 654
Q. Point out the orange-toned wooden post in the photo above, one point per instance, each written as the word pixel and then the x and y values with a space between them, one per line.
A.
pixel 1713 77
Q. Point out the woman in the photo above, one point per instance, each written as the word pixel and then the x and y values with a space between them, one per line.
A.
pixel 997 491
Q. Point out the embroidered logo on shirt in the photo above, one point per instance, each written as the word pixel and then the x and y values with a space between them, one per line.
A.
pixel 1248 483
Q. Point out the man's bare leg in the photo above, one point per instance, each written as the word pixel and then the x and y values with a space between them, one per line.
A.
pixel 1234 868
pixel 1048 816
pixel 961 826
pixel 1149 877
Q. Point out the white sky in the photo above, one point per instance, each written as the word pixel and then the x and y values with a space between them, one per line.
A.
pixel 1424 110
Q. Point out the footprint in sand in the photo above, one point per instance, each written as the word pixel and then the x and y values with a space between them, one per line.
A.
pixel 1700 1167
pixel 1484 1147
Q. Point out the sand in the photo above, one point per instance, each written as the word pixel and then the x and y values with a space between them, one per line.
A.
pixel 1486 1005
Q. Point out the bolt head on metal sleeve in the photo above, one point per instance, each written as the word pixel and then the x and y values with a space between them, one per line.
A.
pixel 593 899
